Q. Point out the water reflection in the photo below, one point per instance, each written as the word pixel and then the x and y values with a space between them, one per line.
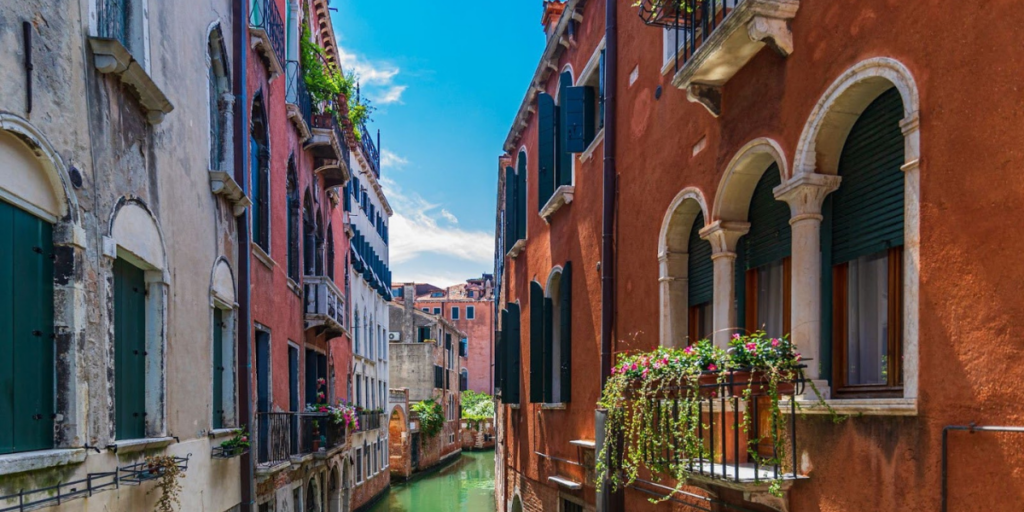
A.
pixel 465 486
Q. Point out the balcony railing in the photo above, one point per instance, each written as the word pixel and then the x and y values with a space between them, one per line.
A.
pixel 325 304
pixel 692 21
pixel 318 432
pixel 369 421
pixel 264 15
pixel 273 438
pixel 297 94
pixel 371 150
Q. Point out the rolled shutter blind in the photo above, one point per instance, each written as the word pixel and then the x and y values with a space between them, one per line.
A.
pixel 700 268
pixel 537 347
pixel 867 210
pixel 565 334
pixel 770 236
pixel 546 120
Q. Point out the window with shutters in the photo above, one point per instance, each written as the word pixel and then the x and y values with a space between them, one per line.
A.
pixel 293 205
pixel 437 311
pixel 259 168
pixel 470 312
pixel 129 350
pixel 309 236
pixel 27 364
pixel 862 247
pixel 700 283
pixel 763 269
pixel 455 312
pixel 223 358
pixel 592 77
pixel 564 160
pixel 512 351
pixel 124 20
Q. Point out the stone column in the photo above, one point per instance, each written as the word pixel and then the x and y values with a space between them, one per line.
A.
pixel 673 287
pixel 723 236
pixel 805 194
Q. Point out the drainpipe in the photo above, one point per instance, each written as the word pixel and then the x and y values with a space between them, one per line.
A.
pixel 239 27
pixel 608 501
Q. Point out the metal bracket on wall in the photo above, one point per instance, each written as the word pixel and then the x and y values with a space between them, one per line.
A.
pixel 972 429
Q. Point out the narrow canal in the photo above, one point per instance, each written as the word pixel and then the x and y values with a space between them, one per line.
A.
pixel 464 486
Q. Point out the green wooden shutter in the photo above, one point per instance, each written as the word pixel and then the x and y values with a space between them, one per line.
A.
pixel 537 347
pixel 770 238
pixel 510 209
pixel 514 342
pixel 565 332
pixel 563 175
pixel 546 120
pixel 521 198
pixel 501 358
pixel 700 268
pixel 27 333
pixel 549 348
pixel 600 92
pixel 218 368
pixel 130 350
pixel 867 214
pixel 579 107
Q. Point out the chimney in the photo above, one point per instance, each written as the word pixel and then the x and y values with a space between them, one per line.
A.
pixel 552 12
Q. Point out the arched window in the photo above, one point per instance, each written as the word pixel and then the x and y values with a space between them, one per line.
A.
pixel 259 167
pixel 293 221
pixel 563 172
pixel 551 338
pixel 220 99
pixel 330 251
pixel 700 290
pixel 308 236
pixel 862 242
pixel 763 271
pixel 319 254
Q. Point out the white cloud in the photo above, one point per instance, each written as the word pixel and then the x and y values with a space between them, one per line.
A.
pixel 389 160
pixel 449 216
pixel 416 232
pixel 376 78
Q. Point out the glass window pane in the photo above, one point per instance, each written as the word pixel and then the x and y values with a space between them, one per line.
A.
pixel 868 320
pixel 770 299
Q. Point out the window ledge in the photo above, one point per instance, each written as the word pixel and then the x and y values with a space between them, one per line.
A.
pixel 138 445
pixel 589 152
pixel 857 407
pixel 560 406
pixel 264 258
pixel 265 471
pixel 111 57
pixel 586 444
pixel 14 463
pixel 221 183
pixel 563 482
pixel 561 197
pixel 517 248
pixel 221 432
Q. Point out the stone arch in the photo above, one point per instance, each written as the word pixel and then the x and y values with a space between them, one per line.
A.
pixel 222 282
pixel 334 487
pixel 517 503
pixel 222 302
pixel 673 254
pixel 47 192
pixel 833 116
pixel 732 199
pixel 137 234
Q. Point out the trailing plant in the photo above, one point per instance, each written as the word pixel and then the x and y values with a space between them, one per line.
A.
pixel 168 484
pixel 359 111
pixel 431 416
pixel 324 82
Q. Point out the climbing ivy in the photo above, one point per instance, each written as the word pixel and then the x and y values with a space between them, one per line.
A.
pixel 431 416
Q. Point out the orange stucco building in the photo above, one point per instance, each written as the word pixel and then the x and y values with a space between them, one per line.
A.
pixel 840 171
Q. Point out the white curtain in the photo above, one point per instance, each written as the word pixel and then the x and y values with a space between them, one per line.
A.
pixel 867 320
pixel 770 299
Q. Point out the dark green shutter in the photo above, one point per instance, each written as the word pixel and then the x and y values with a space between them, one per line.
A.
pixel 510 209
pixel 600 92
pixel 521 198
pixel 501 358
pixel 868 207
pixel 579 111
pixel 130 350
pixel 563 176
pixel 546 120
pixel 537 340
pixel 565 332
pixel 770 238
pixel 549 348
pixel 513 349
pixel 218 368
pixel 26 332
pixel 700 268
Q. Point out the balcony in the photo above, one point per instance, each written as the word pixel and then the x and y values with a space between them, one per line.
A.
pixel 718 38
pixel 284 436
pixel 298 101
pixel 267 34
pixel 319 434
pixel 273 440
pixel 370 421
pixel 325 305
pixel 370 150
pixel 331 152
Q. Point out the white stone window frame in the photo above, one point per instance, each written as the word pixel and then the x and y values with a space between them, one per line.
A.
pixel 139 30
pixel 673 260
pixel 590 70
pixel 222 297
pixel 220 65
pixel 134 235
pixel 552 290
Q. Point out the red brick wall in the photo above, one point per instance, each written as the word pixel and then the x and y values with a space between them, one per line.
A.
pixel 479 331
pixel 369 489
pixel 478 435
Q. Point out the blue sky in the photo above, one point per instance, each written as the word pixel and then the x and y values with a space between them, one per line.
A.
pixel 446 79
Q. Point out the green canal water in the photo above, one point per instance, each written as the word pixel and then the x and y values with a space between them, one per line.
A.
pixel 466 485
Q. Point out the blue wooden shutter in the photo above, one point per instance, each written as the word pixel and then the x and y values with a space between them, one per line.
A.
pixel 867 210
pixel 563 175
pixel 537 343
pixel 513 350
pixel 521 198
pixel 770 238
pixel 578 106
pixel 546 120
pixel 700 268
pixel 565 332
pixel 130 350
pixel 218 368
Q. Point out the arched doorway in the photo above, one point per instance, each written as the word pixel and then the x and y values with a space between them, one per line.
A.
pixel 517 505
pixel 313 497
pixel 334 491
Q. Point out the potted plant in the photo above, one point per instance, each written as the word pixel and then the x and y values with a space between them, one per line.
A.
pixel 671 13
pixel 237 445
pixel 166 468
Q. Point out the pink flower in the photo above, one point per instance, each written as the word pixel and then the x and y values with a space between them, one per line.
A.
pixel 752 347
pixel 615 370
pixel 245 439
pixel 664 361
pixel 645 372
pixel 736 336
pixel 688 350
pixel 775 342
pixel 633 367
pixel 712 367
pixel 797 356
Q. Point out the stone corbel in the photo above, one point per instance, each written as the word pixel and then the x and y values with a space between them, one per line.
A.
pixel 805 193
pixel 710 96
pixel 111 57
pixel 773 32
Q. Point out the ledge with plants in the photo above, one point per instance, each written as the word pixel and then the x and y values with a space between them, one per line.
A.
pixel 237 446
pixel 703 411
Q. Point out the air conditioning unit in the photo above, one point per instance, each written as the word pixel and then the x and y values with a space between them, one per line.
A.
pixel 394 336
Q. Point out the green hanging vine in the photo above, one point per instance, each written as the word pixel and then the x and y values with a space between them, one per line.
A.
pixel 431 416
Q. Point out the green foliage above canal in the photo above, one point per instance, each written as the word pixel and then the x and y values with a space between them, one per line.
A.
pixel 431 417
pixel 477 406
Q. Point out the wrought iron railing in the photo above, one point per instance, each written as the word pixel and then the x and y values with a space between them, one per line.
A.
pixel 319 432
pixel 297 93
pixel 369 421
pixel 371 150
pixel 145 471
pixel 273 437
pixel 58 494
pixel 692 21
pixel 265 15
pixel 346 153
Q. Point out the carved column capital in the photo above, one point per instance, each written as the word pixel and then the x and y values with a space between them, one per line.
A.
pixel 805 194
pixel 723 236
